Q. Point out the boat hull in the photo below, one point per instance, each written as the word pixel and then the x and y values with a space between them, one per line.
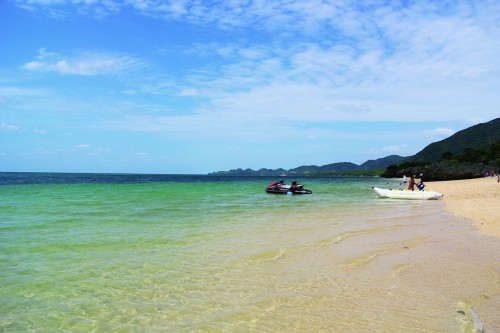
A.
pixel 280 188
pixel 407 194
pixel 285 191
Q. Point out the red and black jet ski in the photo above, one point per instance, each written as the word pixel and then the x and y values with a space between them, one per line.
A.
pixel 281 188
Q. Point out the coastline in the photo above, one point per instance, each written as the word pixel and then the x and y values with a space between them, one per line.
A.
pixel 474 199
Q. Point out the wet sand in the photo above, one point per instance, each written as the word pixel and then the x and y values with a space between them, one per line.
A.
pixel 473 199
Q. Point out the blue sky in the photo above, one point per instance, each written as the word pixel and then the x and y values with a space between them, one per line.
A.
pixel 151 86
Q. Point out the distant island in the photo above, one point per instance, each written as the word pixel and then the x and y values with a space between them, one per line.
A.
pixel 369 168
pixel 469 153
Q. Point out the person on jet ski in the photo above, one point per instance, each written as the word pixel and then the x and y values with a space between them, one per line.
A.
pixel 294 187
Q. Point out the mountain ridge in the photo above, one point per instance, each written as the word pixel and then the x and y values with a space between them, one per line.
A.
pixel 476 137
pixel 380 163
pixel 469 153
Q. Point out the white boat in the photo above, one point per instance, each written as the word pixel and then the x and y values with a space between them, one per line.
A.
pixel 407 194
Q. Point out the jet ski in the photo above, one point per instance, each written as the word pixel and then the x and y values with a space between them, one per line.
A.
pixel 281 188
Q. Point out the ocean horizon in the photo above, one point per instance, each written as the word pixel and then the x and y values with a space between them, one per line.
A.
pixel 183 253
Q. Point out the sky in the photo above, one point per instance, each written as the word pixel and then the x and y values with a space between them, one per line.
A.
pixel 195 86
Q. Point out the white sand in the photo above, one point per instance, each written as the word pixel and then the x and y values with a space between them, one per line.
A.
pixel 475 199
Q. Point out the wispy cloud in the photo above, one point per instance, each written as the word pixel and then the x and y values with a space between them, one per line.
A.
pixel 188 92
pixel 401 149
pixel 64 8
pixel 8 127
pixel 440 132
pixel 87 63
pixel 360 61
pixel 9 91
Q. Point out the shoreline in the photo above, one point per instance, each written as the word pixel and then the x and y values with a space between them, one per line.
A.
pixel 473 199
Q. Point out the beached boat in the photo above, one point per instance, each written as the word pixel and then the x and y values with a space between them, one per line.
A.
pixel 407 194
pixel 280 188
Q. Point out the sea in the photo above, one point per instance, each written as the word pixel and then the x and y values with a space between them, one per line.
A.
pixel 198 253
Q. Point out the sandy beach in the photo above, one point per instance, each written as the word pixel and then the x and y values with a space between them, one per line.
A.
pixel 474 199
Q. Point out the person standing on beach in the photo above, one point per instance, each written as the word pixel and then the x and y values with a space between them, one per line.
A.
pixel 411 183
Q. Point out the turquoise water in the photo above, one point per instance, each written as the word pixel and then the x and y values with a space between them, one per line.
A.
pixel 102 253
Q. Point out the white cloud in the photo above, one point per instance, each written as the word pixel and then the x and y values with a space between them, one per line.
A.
pixel 83 146
pixel 43 53
pixel 47 152
pixel 18 91
pixel 40 131
pixel 8 127
pixel 395 64
pixel 188 92
pixel 86 64
pixel 404 65
pixel 65 8
pixel 440 132
pixel 395 149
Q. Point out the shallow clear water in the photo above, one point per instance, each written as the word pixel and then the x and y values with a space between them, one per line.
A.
pixel 82 253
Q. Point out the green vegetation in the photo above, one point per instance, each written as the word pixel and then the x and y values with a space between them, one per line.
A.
pixel 372 172
pixel 489 155
pixel 466 154
pixel 468 162
pixel 369 168
pixel 477 145
pixel 351 173
pixel 477 137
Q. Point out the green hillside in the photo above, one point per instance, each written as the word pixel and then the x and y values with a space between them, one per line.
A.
pixel 476 137
pixel 370 167
pixel 381 163
pixel 466 154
